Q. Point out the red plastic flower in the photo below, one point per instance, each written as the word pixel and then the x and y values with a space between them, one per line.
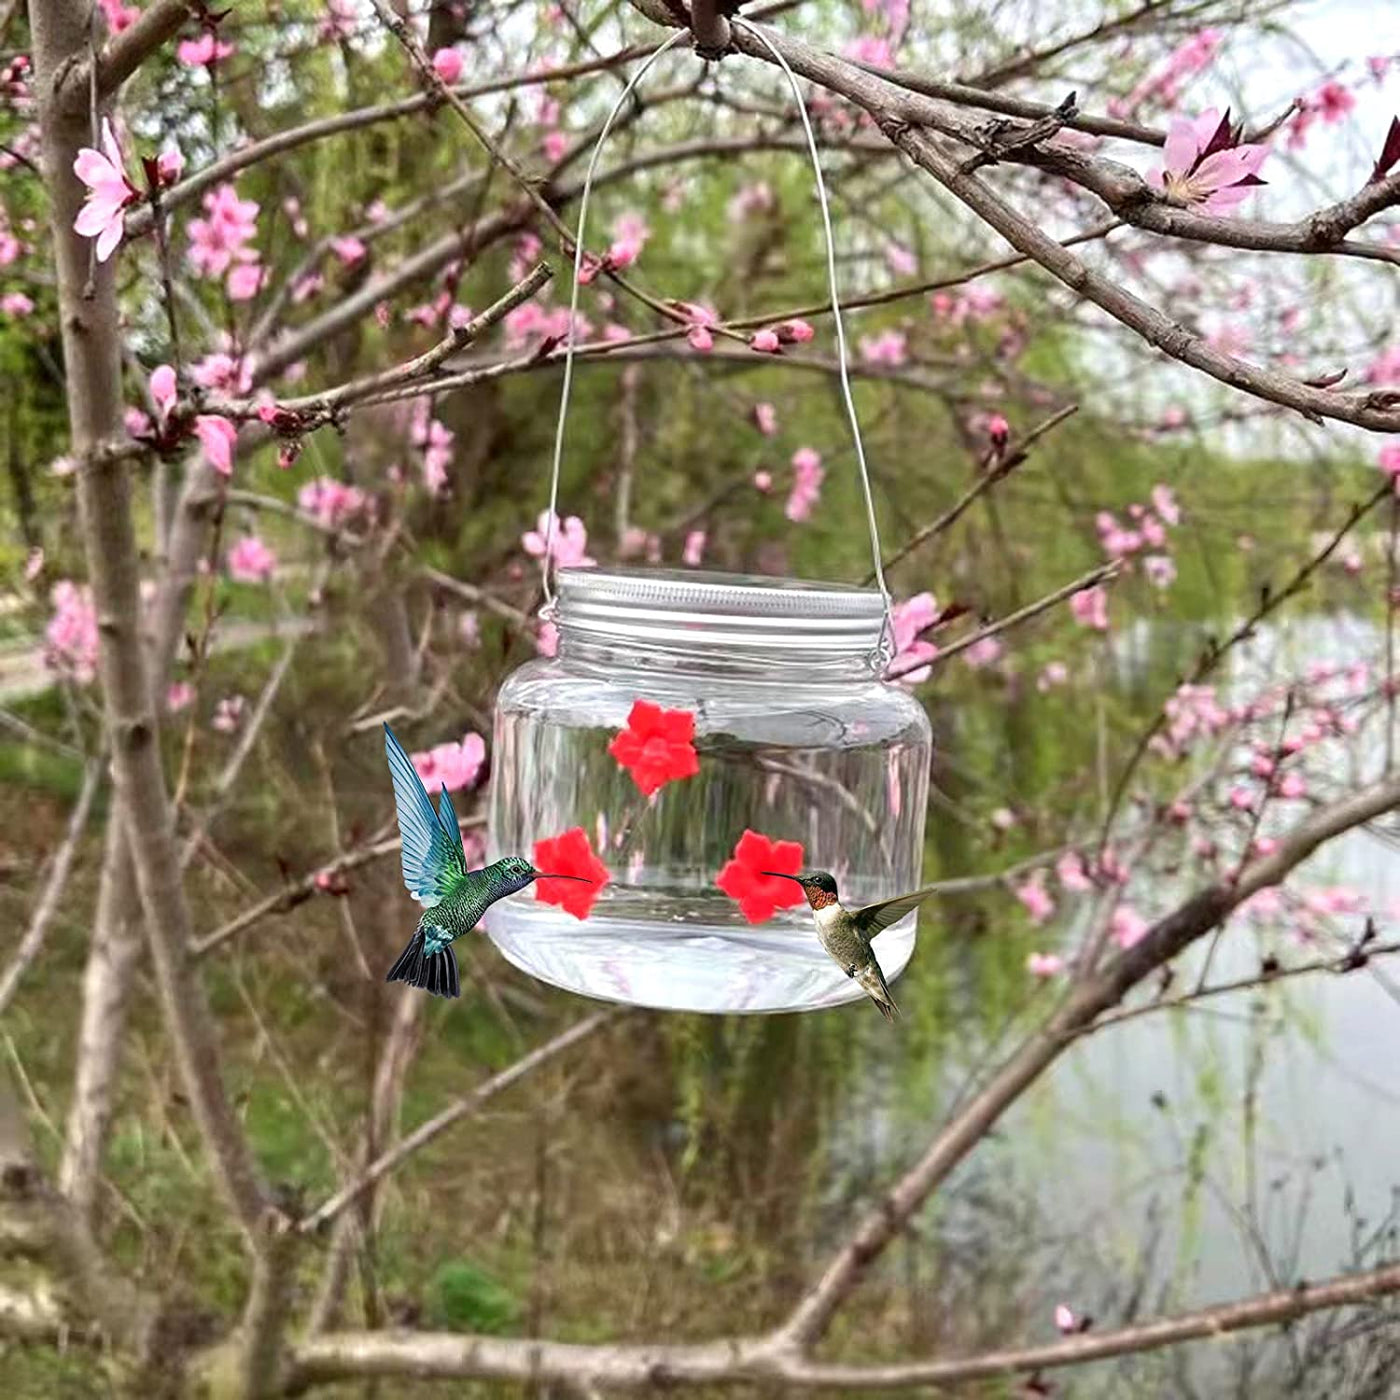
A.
pixel 570 854
pixel 657 746
pixel 758 894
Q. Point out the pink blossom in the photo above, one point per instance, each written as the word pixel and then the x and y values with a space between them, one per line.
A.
pixel 807 483
pixel 1070 872
pixel 179 695
pixel 70 639
pixel 871 50
pixel 1065 1319
pixel 448 64
pixel 16 304
pixel 1003 819
pixel 1164 503
pixel 244 280
pixel 749 201
pixel 451 766
pixel 887 348
pixel 1389 461
pixel 1218 182
pixel 700 317
pixel 694 548
pixel 331 502
pixel 109 193
pixel 985 653
pixel 766 341
pixel 765 418
pixel 1385 368
pixel 220 239
pixel 900 260
pixel 1160 570
pixel 799 332
pixel 630 235
pixel 339 21
pixel 251 561
pixel 204 52
pixel 306 286
pixel 1045 965
pixel 163 389
pixel 348 249
pixel 555 145
pixel 569 544
pixel 1127 926
pixel 435 440
pixel 1186 59
pixel 228 714
pixel 1292 785
pixel 118 15
pixel 763 481
pixel 217 437
pixel 909 619
pixel 1055 673
pixel 998 430
pixel 223 372
pixel 533 321
pixel 1334 101
pixel 633 543
pixel 975 303
pixel 1037 901
pixel 1090 608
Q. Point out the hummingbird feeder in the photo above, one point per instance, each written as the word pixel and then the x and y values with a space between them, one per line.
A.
pixel 696 734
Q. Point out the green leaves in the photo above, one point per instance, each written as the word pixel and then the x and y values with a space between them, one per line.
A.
pixel 465 1298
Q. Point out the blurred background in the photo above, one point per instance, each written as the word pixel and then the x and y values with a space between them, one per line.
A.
pixel 681 1176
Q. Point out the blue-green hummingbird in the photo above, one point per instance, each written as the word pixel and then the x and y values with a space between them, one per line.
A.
pixel 435 871
pixel 846 933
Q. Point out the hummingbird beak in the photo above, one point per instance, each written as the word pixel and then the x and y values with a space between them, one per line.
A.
pixel 544 875
pixel 778 875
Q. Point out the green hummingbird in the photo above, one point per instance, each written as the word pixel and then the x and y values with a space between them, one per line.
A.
pixel 435 871
pixel 846 933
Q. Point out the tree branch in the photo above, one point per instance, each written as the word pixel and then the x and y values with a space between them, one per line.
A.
pixel 91 345
pixel 422 1135
pixel 123 53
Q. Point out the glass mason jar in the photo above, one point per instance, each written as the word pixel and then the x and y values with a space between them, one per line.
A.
pixel 797 739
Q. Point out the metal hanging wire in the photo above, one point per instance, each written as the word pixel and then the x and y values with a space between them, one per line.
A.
pixel 548 611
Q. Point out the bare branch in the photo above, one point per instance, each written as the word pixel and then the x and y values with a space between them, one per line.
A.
pixel 123 53
pixel 326 407
pixel 758 1361
pixel 1004 624
pixel 467 1104
pixel 995 469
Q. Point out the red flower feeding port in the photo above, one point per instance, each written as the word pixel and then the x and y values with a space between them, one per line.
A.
pixel 657 746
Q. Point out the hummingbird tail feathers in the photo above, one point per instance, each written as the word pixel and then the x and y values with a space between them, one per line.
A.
pixel 872 980
pixel 435 972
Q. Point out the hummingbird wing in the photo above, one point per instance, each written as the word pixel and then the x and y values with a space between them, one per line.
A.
pixel 871 919
pixel 433 861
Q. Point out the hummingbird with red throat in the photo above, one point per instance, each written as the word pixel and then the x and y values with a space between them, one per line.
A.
pixel 846 933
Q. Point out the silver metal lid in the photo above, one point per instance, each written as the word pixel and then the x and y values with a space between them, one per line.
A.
pixel 747 613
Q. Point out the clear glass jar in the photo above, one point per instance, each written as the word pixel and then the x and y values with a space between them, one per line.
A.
pixel 797 738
